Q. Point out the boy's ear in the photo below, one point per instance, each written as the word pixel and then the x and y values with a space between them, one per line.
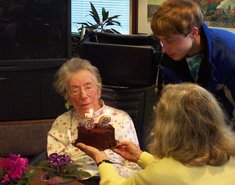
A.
pixel 195 32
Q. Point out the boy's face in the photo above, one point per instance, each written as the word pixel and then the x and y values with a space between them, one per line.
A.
pixel 176 46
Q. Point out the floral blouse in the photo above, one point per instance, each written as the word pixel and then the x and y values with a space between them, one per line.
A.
pixel 64 132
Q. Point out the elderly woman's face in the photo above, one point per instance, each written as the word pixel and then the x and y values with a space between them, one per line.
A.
pixel 84 94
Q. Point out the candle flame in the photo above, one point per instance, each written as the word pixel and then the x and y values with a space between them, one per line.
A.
pixel 91 111
pixel 89 114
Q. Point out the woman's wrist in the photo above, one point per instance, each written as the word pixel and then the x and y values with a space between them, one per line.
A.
pixel 137 156
pixel 104 161
pixel 99 160
pixel 100 157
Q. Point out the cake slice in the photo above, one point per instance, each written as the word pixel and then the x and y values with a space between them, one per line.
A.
pixel 100 136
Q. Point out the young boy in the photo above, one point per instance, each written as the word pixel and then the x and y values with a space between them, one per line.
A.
pixel 192 52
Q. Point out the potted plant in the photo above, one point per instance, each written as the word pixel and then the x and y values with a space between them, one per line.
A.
pixel 13 170
pixel 102 24
pixel 60 169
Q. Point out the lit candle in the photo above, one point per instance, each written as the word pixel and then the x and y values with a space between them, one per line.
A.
pixel 90 114
pixel 89 120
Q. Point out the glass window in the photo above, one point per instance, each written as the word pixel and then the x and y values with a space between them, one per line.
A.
pixel 80 12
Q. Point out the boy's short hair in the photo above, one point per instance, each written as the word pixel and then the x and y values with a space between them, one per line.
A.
pixel 176 17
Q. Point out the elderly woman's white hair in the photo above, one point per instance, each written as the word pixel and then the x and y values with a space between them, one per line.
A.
pixel 70 67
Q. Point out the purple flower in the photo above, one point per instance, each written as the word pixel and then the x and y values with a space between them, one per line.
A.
pixel 59 160
pixel 62 166
pixel 14 166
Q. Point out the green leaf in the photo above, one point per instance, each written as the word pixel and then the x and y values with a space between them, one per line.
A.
pixel 71 168
pixel 114 31
pixel 84 174
pixel 78 175
pixel 105 14
pixel 114 23
pixel 67 179
pixel 94 13
pixel 83 23
pixel 30 175
pixel 113 17
pixel 88 24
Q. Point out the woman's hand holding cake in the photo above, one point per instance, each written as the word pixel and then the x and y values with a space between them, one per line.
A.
pixel 128 150
pixel 93 152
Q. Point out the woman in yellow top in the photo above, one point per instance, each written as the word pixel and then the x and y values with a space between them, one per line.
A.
pixel 191 144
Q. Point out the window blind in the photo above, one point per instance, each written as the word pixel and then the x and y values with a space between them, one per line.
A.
pixel 80 13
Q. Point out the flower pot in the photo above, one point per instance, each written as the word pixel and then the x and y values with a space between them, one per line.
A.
pixel 57 180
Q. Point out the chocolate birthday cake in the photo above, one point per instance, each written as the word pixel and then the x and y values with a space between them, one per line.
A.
pixel 99 135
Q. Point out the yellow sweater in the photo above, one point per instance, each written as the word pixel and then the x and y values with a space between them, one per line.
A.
pixel 167 171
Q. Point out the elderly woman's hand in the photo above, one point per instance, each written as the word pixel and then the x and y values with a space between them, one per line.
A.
pixel 128 150
pixel 94 153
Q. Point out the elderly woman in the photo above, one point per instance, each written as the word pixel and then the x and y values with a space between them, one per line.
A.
pixel 80 84
pixel 191 144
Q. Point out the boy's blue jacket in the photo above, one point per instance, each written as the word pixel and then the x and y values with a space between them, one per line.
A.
pixel 217 71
